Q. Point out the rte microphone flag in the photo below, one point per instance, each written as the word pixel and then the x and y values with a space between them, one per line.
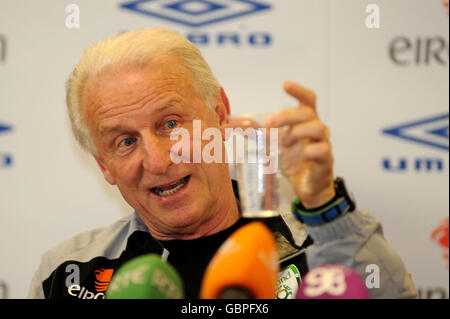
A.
pixel 146 277
pixel 245 266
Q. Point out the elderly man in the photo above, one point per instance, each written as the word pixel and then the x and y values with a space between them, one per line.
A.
pixel 125 98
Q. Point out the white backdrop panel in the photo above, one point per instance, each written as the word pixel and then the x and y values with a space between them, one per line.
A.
pixel 52 190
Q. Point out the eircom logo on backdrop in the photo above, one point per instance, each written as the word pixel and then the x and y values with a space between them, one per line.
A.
pixel 3 46
pixel 3 290
pixel 201 13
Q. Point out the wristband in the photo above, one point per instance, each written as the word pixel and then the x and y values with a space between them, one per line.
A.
pixel 338 206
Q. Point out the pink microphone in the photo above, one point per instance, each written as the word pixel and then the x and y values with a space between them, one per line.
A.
pixel 332 282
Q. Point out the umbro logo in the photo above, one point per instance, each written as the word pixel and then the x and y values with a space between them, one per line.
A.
pixel 430 131
pixel 4 128
pixel 195 13
pixel 6 159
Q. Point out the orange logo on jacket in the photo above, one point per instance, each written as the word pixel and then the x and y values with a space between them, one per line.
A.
pixel 103 277
pixel 440 235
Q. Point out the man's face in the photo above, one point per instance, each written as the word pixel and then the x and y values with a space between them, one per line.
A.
pixel 131 112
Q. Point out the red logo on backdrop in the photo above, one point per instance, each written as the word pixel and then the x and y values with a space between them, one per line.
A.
pixel 445 3
pixel 440 236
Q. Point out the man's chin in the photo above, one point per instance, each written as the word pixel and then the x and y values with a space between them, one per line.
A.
pixel 180 220
pixel 183 223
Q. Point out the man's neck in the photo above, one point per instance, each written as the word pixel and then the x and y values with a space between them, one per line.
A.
pixel 215 225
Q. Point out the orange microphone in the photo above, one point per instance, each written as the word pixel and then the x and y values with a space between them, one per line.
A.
pixel 245 266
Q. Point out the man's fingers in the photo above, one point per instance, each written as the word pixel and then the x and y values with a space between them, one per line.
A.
pixel 290 117
pixel 318 152
pixel 304 95
pixel 313 130
pixel 244 122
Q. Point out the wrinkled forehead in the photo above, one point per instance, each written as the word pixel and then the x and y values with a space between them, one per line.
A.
pixel 126 84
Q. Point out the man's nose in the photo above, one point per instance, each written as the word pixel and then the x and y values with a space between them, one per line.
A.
pixel 156 154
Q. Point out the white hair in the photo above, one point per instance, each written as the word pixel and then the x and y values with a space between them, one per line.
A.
pixel 134 48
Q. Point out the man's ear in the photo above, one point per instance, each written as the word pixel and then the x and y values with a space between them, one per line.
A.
pixel 222 110
pixel 106 173
pixel 225 100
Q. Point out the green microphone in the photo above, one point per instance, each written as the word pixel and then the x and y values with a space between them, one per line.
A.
pixel 146 277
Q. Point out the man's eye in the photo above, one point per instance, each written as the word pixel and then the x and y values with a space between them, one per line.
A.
pixel 128 141
pixel 171 124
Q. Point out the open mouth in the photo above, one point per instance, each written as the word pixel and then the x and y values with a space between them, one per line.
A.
pixel 170 189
